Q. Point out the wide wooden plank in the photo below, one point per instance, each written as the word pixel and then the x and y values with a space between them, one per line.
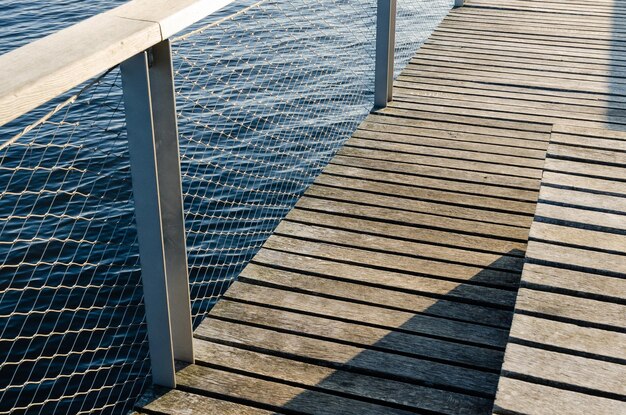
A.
pixel 391 289
pixel 583 310
pixel 379 243
pixel 553 278
pixel 592 374
pixel 413 232
pixel 349 357
pixel 499 224
pixel 569 235
pixel 394 262
pixel 273 395
pixel 338 381
pixel 350 307
pixel 569 337
pixel 569 257
pixel 374 338
pixel 177 402
pixel 516 396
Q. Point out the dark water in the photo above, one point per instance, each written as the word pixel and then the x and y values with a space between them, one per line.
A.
pixel 264 101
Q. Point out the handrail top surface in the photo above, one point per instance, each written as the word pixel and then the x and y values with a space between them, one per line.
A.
pixel 46 68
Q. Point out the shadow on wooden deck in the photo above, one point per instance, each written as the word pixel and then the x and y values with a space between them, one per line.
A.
pixel 444 358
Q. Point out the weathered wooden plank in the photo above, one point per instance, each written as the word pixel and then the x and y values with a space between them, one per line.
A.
pixel 419 190
pixel 449 125
pixel 176 402
pixel 417 266
pixel 347 357
pixel 588 218
pixel 569 336
pixel 592 312
pixel 521 102
pixel 48 67
pixel 516 396
pixel 463 164
pixel 396 246
pixel 589 155
pixel 574 175
pixel 553 278
pixel 487 143
pixel 581 198
pixel 505 185
pixel 350 307
pixel 334 380
pixel 374 338
pixel 472 120
pixel 581 101
pixel 273 395
pixel 570 134
pixel 484 244
pixel 489 222
pixel 579 237
pixel 384 141
pixel 577 371
pixel 386 288
pixel 576 257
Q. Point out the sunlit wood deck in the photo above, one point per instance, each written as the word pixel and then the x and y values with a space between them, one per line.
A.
pixel 391 287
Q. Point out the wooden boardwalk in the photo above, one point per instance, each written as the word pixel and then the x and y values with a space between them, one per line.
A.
pixel 567 346
pixel 390 288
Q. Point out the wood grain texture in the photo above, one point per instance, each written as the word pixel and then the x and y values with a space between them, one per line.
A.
pixel 392 284
pixel 568 337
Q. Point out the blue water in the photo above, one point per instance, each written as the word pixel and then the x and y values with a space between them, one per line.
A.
pixel 264 101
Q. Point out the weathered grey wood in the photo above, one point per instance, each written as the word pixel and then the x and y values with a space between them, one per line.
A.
pixel 385 141
pixel 553 278
pixel 374 338
pixel 563 368
pixel 516 396
pixel 426 292
pixel 585 310
pixel 580 237
pixel 334 380
pixel 422 191
pixel 176 402
pixel 389 365
pixel 411 311
pixel 403 231
pixel 454 272
pixel 478 221
pixel 487 143
pixel 273 394
pixel 552 333
pixel 584 258
pixel 494 184
pixel 379 243
pixel 465 164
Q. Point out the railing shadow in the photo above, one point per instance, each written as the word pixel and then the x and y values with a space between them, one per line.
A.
pixel 616 107
pixel 458 375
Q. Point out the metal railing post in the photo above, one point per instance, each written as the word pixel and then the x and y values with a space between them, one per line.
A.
pixel 155 168
pixel 385 47
pixel 458 3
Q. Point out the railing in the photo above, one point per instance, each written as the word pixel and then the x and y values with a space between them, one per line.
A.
pixel 138 37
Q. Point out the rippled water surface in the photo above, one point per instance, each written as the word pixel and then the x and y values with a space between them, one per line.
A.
pixel 264 99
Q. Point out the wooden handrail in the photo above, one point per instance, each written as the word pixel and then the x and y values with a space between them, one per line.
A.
pixel 42 70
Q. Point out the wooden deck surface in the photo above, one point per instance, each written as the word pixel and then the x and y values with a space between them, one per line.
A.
pixel 567 346
pixel 390 288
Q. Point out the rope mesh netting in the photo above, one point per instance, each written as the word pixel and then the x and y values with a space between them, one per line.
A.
pixel 265 98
